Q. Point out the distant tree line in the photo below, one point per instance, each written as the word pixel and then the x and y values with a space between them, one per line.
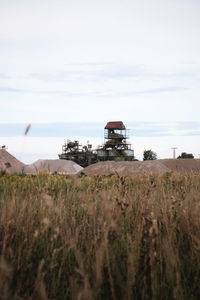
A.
pixel 150 155
pixel 185 155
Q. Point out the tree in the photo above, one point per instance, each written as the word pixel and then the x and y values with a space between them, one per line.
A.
pixel 149 155
pixel 186 155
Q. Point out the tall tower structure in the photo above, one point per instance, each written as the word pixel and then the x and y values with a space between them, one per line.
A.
pixel 115 136
pixel 115 145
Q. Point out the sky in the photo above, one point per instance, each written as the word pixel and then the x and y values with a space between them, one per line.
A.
pixel 67 67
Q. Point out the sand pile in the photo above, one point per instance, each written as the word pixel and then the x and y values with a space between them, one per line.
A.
pixel 53 165
pixel 9 163
pixel 126 168
pixel 182 165
pixel 12 165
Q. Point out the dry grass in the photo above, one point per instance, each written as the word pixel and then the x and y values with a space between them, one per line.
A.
pixel 99 237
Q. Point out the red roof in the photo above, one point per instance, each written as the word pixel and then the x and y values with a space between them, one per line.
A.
pixel 115 125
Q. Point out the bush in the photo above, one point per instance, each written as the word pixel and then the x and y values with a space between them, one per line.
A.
pixel 185 155
pixel 149 155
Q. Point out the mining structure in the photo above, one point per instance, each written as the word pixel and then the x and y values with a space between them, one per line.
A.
pixel 115 147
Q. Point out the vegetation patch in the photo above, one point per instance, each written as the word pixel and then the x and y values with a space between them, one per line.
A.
pixel 100 237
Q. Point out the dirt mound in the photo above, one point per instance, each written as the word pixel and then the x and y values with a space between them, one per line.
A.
pixel 182 165
pixel 126 168
pixel 53 165
pixel 9 163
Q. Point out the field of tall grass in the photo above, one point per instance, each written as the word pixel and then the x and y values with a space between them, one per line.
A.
pixel 99 237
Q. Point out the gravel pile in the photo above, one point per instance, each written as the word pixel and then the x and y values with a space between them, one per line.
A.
pixel 9 163
pixel 182 165
pixel 126 168
pixel 53 165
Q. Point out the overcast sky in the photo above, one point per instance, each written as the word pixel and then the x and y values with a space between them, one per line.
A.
pixel 98 61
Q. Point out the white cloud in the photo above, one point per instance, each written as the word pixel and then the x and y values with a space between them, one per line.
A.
pixel 99 60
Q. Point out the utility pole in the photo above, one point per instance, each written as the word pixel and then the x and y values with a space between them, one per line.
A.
pixel 174 152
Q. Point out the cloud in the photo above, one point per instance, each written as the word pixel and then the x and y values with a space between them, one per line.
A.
pixel 120 71
pixel 3 76
pixel 162 90
pixel 92 71
pixel 96 93
pixel 111 80
pixel 100 80
pixel 167 89
pixel 72 129
pixel 11 90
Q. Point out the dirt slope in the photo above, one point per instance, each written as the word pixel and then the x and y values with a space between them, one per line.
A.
pixel 126 168
pixel 53 165
pixel 9 163
pixel 182 165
